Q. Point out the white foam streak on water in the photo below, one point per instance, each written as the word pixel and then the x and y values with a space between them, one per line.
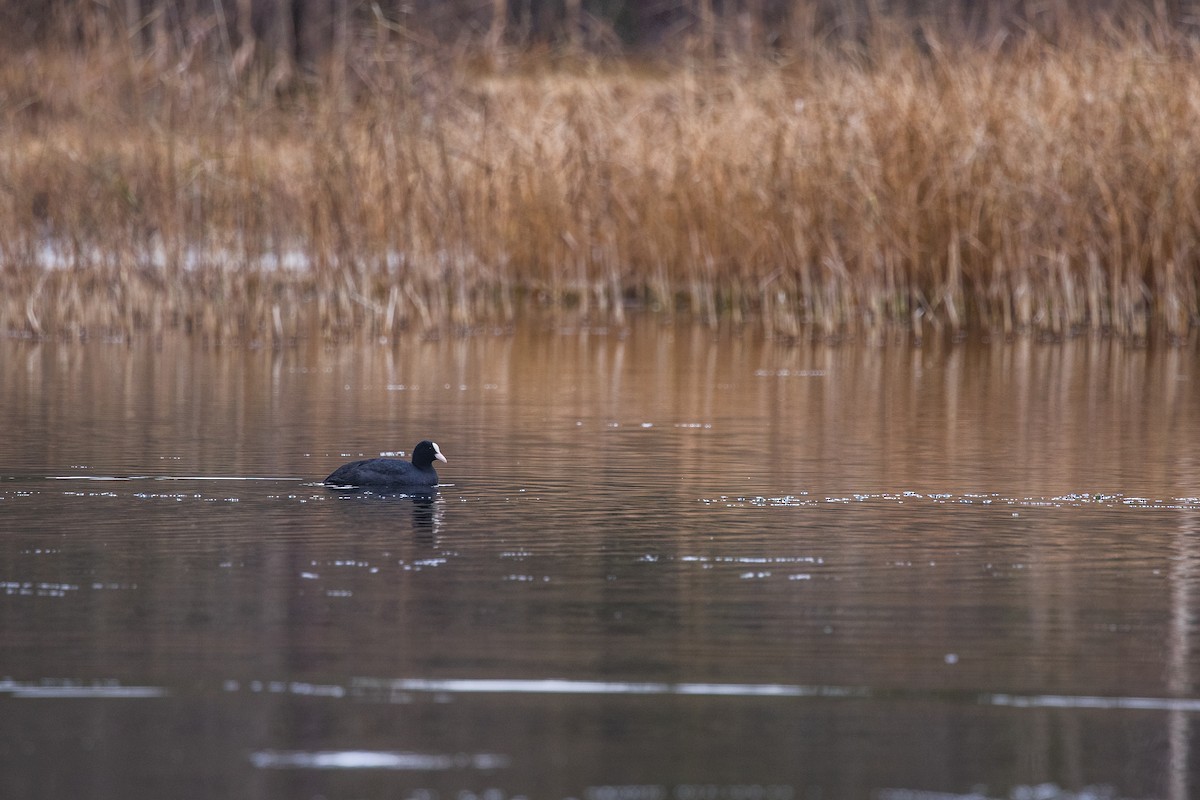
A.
pixel 556 686
pixel 375 759
pixel 559 686
pixel 171 478
pixel 70 690
pixel 108 690
pixel 1185 704
pixel 1069 500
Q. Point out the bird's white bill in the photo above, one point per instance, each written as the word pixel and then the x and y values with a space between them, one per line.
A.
pixel 437 453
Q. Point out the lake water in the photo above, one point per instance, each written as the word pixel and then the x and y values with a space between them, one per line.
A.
pixel 665 564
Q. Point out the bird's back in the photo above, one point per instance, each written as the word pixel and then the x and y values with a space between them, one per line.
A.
pixel 381 472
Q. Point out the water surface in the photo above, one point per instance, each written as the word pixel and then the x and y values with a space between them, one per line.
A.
pixel 665 563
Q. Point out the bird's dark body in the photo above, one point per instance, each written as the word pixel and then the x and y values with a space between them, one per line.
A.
pixel 382 472
pixel 391 472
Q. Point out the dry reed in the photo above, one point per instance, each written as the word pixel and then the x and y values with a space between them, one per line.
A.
pixel 1017 188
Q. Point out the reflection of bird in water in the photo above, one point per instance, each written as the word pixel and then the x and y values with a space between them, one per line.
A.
pixel 425 518
pixel 382 482
pixel 375 510
pixel 391 473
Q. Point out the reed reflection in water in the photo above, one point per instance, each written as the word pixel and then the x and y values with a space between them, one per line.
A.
pixel 664 560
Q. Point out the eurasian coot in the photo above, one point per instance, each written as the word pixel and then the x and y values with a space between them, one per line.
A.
pixel 391 472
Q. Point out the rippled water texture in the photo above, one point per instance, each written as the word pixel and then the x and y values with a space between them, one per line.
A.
pixel 664 563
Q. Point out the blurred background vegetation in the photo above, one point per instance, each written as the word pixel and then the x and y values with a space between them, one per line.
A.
pixel 281 168
pixel 290 36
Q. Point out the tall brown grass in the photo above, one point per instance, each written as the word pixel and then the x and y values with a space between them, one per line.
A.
pixel 1004 188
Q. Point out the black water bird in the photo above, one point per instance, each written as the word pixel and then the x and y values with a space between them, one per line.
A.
pixel 380 473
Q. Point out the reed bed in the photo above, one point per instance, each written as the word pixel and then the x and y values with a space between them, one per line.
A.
pixel 1018 187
